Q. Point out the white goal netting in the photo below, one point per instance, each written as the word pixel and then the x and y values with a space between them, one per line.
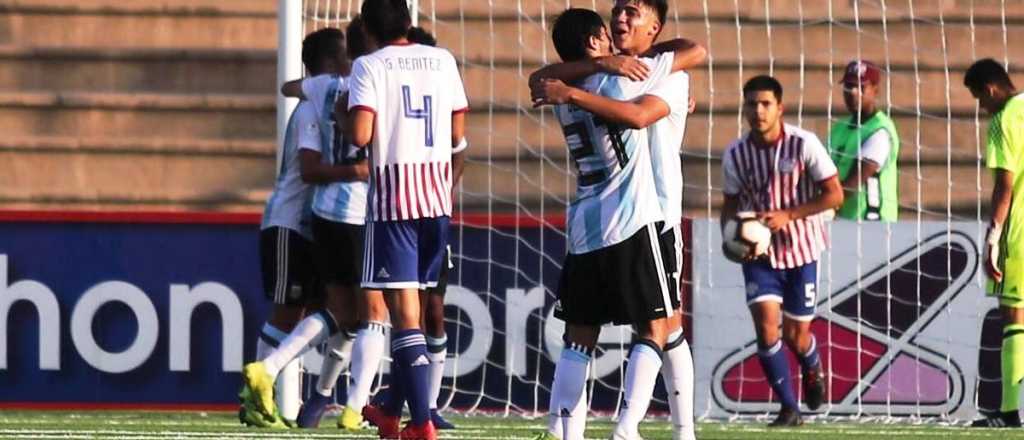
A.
pixel 904 329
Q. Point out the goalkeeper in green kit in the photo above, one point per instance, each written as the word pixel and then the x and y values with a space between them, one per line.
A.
pixel 1004 244
pixel 865 147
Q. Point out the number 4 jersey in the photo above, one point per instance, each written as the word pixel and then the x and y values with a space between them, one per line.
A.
pixel 413 90
pixel 615 189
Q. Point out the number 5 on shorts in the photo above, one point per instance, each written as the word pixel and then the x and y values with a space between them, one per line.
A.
pixel 809 295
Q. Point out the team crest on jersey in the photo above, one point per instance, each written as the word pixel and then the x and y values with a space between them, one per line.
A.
pixel 870 339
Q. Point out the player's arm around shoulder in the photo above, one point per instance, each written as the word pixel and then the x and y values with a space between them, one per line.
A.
pixel 686 53
pixel 293 89
pixel 636 114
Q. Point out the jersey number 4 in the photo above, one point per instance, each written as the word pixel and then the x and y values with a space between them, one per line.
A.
pixel 426 113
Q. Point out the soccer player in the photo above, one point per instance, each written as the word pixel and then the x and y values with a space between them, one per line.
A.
pixel 367 348
pixel 664 109
pixel 324 55
pixel 339 211
pixel 407 104
pixel 865 147
pixel 285 257
pixel 785 175
pixel 615 184
pixel 1004 244
pixel 432 299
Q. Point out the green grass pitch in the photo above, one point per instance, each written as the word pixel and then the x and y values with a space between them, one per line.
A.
pixel 136 425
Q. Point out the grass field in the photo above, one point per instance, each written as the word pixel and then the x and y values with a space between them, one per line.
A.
pixel 182 425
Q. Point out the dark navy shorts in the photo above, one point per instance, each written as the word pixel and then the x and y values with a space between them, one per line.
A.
pixel 795 288
pixel 405 254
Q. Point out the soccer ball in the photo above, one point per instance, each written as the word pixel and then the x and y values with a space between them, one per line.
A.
pixel 745 235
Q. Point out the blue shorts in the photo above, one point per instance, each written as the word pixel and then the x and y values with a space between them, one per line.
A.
pixel 405 254
pixel 795 288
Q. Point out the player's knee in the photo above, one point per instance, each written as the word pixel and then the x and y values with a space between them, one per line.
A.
pixel 1012 315
pixel 285 317
pixel 655 331
pixel 582 335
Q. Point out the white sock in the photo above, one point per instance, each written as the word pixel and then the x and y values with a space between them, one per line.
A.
pixel 367 352
pixel 339 349
pixel 568 388
pixel 270 337
pixel 309 333
pixel 641 376
pixel 437 350
pixel 576 424
pixel 677 371
pixel 288 389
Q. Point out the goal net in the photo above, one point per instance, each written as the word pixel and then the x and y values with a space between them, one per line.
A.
pixel 903 326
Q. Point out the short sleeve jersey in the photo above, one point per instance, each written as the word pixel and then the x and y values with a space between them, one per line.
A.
pixel 289 204
pixel 666 140
pixel 615 191
pixel 413 90
pixel 782 176
pixel 342 202
pixel 1004 150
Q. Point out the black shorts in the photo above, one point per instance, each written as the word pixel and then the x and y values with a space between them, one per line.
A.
pixel 625 283
pixel 287 265
pixel 442 278
pixel 672 255
pixel 338 251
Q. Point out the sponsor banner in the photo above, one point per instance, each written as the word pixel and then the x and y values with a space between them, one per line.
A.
pixel 157 310
pixel 903 326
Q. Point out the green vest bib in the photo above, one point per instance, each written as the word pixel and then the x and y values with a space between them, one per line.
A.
pixel 880 199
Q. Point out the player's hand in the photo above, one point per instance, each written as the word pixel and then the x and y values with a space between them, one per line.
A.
pixel 627 66
pixel 550 92
pixel 748 258
pixel 775 220
pixel 992 253
pixel 691 106
pixel 362 171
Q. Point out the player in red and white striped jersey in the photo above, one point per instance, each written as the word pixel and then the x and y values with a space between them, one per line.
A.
pixel 407 104
pixel 785 175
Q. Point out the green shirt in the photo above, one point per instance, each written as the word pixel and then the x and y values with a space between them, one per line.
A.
pixel 1004 150
pixel 880 198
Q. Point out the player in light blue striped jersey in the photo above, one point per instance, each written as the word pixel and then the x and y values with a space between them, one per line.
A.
pixel 662 110
pixel 610 221
pixel 339 210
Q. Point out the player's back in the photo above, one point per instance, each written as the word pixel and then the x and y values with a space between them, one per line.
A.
pixel 289 203
pixel 413 90
pixel 615 194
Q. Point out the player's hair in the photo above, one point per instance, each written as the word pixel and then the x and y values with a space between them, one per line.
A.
pixel 571 31
pixel 762 83
pixel 984 72
pixel 660 7
pixel 386 20
pixel 356 44
pixel 419 35
pixel 323 43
